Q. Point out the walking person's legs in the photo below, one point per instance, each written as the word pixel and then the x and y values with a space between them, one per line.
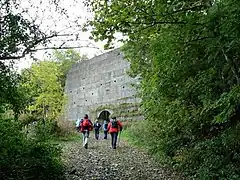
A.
pixel 97 134
pixel 112 138
pixel 86 139
pixel 83 140
pixel 115 135
pixel 105 134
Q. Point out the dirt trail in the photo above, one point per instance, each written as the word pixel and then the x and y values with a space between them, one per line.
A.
pixel 100 162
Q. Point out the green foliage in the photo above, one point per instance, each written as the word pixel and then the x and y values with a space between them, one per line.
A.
pixel 64 128
pixel 45 129
pixel 44 89
pixel 22 30
pixel 66 59
pixel 136 130
pixel 187 55
pixel 18 34
pixel 45 83
pixel 12 96
pixel 54 130
pixel 215 157
pixel 26 158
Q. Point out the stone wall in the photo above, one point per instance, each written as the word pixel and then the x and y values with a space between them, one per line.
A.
pixel 98 82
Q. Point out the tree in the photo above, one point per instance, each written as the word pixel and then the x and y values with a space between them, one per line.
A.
pixel 187 55
pixel 12 96
pixel 44 83
pixel 138 19
pixel 66 59
pixel 44 88
pixel 25 28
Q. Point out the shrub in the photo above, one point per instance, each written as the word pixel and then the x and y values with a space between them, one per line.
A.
pixel 138 132
pixel 216 157
pixel 27 158
pixel 213 158
pixel 65 127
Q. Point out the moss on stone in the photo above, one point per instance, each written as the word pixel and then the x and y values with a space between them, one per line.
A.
pixel 119 110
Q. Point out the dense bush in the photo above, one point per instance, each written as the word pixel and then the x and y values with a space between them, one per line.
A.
pixel 26 158
pixel 205 159
pixel 65 128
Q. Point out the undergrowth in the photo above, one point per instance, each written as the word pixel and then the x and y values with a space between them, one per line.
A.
pixel 27 157
pixel 210 158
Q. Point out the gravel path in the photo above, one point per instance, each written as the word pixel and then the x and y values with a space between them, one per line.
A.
pixel 100 162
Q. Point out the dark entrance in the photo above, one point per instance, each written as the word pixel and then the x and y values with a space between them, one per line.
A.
pixel 104 115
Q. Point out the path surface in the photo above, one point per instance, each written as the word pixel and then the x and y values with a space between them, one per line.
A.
pixel 100 162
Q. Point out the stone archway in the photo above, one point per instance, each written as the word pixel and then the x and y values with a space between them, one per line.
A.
pixel 104 115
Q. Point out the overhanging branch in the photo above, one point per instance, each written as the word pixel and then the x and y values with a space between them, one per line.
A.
pixel 68 47
pixel 33 44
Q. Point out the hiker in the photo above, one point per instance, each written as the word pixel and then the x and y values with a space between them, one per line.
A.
pixel 105 129
pixel 78 124
pixel 113 128
pixel 86 126
pixel 97 127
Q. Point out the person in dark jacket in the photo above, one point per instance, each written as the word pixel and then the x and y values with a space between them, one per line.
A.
pixel 97 127
pixel 113 128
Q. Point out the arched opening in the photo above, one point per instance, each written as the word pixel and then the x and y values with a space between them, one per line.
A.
pixel 104 115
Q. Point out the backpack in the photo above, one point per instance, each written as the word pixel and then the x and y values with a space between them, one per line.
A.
pixel 105 126
pixel 114 124
pixel 97 126
pixel 86 123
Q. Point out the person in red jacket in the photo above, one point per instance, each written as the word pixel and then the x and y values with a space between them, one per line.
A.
pixel 85 127
pixel 114 126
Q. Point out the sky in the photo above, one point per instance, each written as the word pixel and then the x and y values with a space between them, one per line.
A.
pixel 48 19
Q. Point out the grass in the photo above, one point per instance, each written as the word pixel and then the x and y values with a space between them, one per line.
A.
pixel 74 136
pixel 127 135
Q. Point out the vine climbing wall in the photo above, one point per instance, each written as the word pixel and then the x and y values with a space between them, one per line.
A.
pixel 99 84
